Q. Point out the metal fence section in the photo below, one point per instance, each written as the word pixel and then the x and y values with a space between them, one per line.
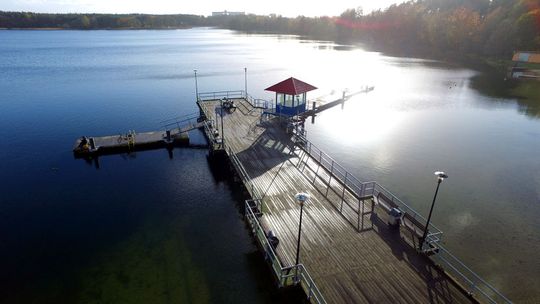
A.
pixel 362 189
pixel 475 285
pixel 248 182
pixel 457 269
pixel 186 122
pixel 220 95
pixel 286 276
pixel 209 128
pixel 375 189
pixel 240 94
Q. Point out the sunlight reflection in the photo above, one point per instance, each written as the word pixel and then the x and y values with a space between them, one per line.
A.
pixel 361 121
pixel 463 221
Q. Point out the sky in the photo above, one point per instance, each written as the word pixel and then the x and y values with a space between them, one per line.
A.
pixel 288 8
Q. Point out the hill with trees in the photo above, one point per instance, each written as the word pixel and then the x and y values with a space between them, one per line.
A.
pixel 487 28
pixel 26 20
pixel 492 28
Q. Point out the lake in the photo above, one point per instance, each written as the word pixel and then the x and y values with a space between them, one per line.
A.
pixel 154 227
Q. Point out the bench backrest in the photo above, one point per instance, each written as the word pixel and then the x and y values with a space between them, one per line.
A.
pixel 387 202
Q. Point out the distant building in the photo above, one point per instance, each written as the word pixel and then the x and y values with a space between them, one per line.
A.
pixel 530 57
pixel 226 13
pixel 526 65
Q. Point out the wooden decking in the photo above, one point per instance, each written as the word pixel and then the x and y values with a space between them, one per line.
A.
pixel 134 141
pixel 348 248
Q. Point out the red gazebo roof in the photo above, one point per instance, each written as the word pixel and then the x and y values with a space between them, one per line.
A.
pixel 291 86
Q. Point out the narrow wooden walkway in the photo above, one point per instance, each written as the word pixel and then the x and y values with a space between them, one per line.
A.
pixel 135 141
pixel 349 265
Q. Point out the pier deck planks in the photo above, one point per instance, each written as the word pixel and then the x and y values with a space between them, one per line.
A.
pixel 373 264
pixel 120 143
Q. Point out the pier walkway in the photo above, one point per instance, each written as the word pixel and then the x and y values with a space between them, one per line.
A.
pixel 174 133
pixel 350 252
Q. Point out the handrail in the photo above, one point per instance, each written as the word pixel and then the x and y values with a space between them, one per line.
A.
pixel 468 278
pixel 239 94
pixel 180 121
pixel 451 264
pixel 205 96
pixel 261 236
pixel 361 189
pixel 434 232
pixel 302 276
pixel 283 274
pixel 208 126
pixel 291 275
pixel 248 182
pixel 179 118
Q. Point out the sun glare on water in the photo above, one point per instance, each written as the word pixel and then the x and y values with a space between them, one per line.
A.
pixel 362 121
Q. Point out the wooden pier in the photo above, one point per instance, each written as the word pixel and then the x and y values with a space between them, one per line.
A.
pixel 314 110
pixel 349 253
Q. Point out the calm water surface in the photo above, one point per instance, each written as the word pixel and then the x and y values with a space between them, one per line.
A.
pixel 148 227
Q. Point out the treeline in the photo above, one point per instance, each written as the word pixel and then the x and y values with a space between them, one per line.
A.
pixel 493 28
pixel 98 21
pixel 480 27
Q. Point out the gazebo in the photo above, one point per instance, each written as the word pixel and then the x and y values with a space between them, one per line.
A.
pixel 291 96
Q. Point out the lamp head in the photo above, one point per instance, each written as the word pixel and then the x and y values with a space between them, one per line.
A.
pixel 302 197
pixel 440 175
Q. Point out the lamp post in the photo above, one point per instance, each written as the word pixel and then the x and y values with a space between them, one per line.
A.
pixel 440 177
pixel 301 198
pixel 196 87
pixel 245 82
pixel 221 114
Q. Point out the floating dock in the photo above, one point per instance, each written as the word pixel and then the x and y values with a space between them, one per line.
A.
pixel 132 141
pixel 348 251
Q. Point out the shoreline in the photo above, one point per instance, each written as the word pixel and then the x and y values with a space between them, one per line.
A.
pixel 489 67
pixel 87 29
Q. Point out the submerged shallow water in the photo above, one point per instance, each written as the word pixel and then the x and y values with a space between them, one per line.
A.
pixel 147 227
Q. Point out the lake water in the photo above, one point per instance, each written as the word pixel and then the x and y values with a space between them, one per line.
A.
pixel 148 227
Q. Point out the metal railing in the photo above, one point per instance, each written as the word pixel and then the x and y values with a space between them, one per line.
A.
pixel 362 189
pixel 240 94
pixel 434 235
pixel 286 276
pixel 180 121
pixel 246 179
pixel 260 103
pixel 299 275
pixel 209 127
pixel 471 281
pixel 205 96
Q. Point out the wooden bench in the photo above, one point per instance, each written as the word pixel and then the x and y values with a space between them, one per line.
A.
pixel 413 225
pixel 408 221
pixel 386 202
